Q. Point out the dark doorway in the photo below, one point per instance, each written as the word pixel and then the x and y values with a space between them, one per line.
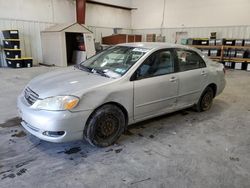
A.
pixel 74 42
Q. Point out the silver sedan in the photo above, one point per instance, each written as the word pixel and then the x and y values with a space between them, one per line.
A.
pixel 122 85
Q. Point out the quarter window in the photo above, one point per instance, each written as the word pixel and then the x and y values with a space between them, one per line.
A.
pixel 159 63
pixel 189 60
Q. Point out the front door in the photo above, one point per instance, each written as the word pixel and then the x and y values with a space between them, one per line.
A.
pixel 155 85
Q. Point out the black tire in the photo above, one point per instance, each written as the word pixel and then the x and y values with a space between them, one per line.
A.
pixel 205 101
pixel 105 126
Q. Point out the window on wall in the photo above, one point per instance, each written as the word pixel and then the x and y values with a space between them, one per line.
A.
pixel 189 60
pixel 159 63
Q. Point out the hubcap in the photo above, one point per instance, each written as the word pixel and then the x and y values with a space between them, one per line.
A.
pixel 207 100
pixel 107 126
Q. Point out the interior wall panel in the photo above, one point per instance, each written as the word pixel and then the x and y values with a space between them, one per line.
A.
pixel 201 32
pixel 29 34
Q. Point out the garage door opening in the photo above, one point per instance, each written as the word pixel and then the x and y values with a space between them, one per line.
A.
pixel 75 48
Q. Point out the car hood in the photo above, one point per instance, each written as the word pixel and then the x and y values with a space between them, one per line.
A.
pixel 69 81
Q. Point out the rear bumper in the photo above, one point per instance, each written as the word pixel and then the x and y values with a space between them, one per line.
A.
pixel 221 86
pixel 38 122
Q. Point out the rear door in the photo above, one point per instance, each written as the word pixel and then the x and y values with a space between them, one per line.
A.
pixel 155 85
pixel 192 77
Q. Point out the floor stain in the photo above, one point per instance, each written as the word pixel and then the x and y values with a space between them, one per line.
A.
pixel 19 134
pixel 24 163
pixel 118 150
pixel 151 136
pixel 9 176
pixel 109 150
pixel 22 171
pixel 184 113
pixel 11 122
pixel 141 135
pixel 72 150
pixel 12 131
pixel 234 158
pixel 128 133
pixel 84 155
pixel 3 172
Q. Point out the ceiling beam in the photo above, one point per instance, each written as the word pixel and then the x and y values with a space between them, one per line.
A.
pixel 109 5
pixel 80 11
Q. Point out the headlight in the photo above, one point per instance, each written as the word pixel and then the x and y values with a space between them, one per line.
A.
pixel 56 103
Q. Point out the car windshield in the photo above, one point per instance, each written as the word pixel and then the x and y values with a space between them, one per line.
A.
pixel 113 62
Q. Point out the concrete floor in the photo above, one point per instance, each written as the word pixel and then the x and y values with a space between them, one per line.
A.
pixel 183 149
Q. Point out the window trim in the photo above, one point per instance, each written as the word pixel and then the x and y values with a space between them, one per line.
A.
pixel 192 51
pixel 171 50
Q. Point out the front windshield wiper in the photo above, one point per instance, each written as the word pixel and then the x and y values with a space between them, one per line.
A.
pixel 100 72
pixel 82 67
pixel 92 70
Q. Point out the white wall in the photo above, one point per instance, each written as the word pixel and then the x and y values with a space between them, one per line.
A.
pixel 38 10
pixel 102 19
pixel 103 16
pixel 31 17
pixel 190 13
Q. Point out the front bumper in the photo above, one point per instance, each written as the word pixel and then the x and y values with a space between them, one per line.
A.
pixel 37 122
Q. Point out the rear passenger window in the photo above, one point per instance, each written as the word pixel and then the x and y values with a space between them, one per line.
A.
pixel 189 60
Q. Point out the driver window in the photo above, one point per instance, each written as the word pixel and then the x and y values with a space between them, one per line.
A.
pixel 159 63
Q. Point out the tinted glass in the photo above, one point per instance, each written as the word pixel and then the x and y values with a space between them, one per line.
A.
pixel 189 60
pixel 159 63
pixel 115 61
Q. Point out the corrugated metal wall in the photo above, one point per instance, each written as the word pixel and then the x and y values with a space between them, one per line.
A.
pixel 100 32
pixel 222 32
pixel 30 38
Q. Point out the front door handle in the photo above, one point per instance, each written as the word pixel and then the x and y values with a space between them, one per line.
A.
pixel 173 79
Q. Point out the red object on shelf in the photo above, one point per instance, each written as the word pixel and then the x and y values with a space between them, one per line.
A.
pixel 121 38
pixel 81 47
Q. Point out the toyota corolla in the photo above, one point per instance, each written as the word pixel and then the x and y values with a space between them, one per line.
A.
pixel 127 83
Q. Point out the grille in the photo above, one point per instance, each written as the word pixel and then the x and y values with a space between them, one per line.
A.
pixel 30 96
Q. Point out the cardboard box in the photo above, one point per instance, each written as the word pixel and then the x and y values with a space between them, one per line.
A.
pixel 219 42
pixel 248 67
pixel 238 66
pixel 239 42
pixel 206 52
pixel 247 42
pixel 214 52
pixel 151 37
pixel 212 42
pixel 240 54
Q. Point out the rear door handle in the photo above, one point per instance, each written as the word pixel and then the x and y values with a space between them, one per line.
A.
pixel 173 79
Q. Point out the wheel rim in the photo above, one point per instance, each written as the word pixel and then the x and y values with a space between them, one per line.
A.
pixel 107 126
pixel 207 100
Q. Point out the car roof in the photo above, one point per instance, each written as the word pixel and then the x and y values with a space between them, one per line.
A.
pixel 155 45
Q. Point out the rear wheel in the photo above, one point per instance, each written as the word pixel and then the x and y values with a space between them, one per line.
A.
pixel 105 126
pixel 206 100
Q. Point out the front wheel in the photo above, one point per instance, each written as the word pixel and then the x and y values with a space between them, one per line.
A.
pixel 105 126
pixel 206 100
